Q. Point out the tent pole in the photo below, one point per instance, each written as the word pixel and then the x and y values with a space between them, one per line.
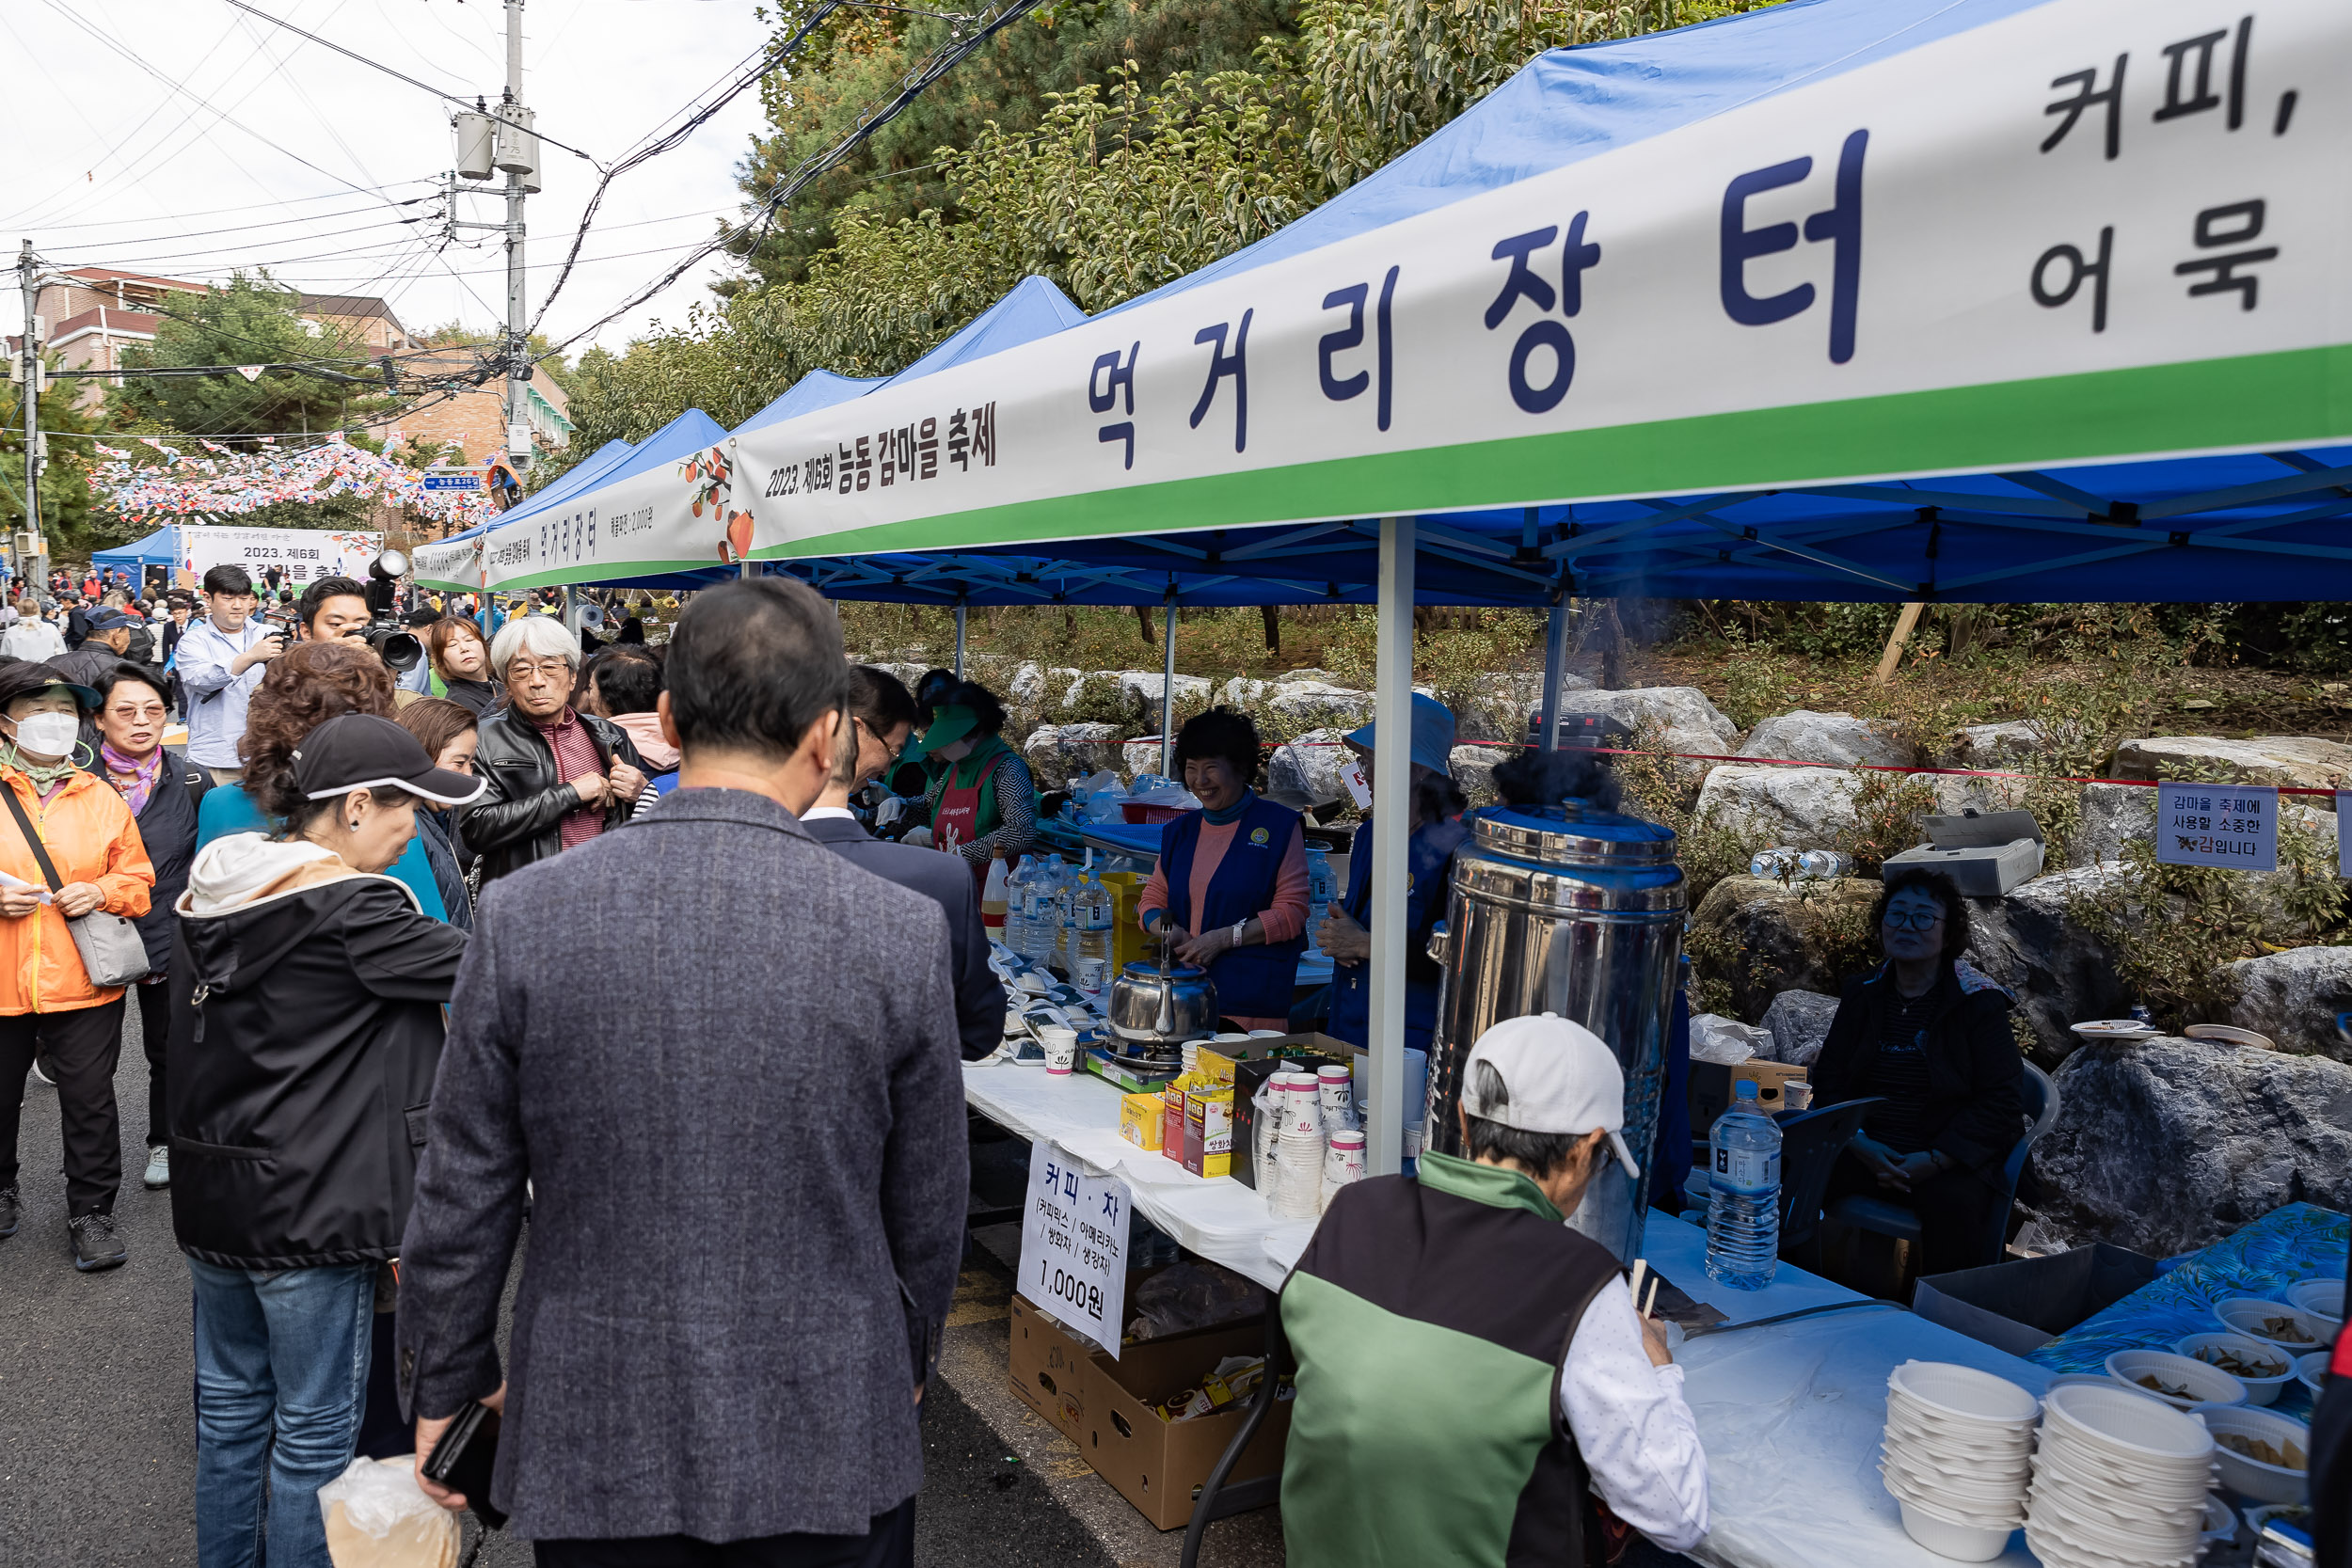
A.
pixel 1168 691
pixel 1391 818
pixel 960 638
pixel 1555 665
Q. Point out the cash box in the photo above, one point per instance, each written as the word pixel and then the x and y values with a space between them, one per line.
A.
pixel 1984 853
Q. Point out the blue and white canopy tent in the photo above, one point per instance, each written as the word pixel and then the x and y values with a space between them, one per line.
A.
pixel 1969 300
pixel 159 549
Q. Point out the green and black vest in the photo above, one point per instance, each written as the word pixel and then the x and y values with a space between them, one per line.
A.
pixel 1430 1319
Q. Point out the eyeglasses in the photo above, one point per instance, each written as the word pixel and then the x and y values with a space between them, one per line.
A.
pixel 890 753
pixel 1918 920
pixel 523 669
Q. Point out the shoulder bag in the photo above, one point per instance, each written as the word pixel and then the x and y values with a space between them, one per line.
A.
pixel 112 951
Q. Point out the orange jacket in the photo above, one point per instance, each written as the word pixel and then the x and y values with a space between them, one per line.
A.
pixel 91 837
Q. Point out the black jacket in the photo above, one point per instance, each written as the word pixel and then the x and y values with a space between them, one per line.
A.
pixel 1976 1111
pixel 947 881
pixel 306 1032
pixel 517 819
pixel 445 852
pixel 167 827
pixel 478 697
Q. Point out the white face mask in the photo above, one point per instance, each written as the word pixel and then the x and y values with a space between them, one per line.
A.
pixel 47 734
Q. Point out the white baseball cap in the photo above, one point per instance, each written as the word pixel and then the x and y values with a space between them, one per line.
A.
pixel 1559 1076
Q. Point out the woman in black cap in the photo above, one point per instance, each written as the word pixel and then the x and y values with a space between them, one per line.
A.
pixel 68 847
pixel 307 989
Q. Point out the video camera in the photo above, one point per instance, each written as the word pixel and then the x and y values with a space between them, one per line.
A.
pixel 393 642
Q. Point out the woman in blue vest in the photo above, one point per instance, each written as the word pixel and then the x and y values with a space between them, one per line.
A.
pixel 1346 934
pixel 1230 886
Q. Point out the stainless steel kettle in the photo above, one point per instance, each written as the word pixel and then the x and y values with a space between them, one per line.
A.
pixel 1160 1004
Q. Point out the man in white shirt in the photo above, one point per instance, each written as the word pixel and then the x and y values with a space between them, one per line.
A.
pixel 1466 1361
pixel 32 637
pixel 220 660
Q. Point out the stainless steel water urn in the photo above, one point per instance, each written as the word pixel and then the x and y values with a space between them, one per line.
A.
pixel 1573 910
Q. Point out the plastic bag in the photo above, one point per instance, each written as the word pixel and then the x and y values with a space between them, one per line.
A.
pixel 1727 1041
pixel 1189 1296
pixel 378 1517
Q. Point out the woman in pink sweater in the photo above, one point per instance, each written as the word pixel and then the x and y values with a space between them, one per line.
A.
pixel 1230 886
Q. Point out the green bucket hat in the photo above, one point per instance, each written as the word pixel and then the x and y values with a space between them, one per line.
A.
pixel 950 724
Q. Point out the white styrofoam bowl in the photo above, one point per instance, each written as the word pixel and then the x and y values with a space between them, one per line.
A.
pixel 2311 1371
pixel 2321 1298
pixel 2245 1314
pixel 1961 1542
pixel 2221 1520
pixel 2204 1385
pixel 2249 1477
pixel 1963 1394
pixel 2259 1390
pixel 2131 1427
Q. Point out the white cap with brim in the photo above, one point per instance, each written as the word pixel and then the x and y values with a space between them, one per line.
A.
pixel 1560 1077
pixel 1433 734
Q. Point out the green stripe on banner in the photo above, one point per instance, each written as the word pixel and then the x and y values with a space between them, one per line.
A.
pixel 603 571
pixel 2299 397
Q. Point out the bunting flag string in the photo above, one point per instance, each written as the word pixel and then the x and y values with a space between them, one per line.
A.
pixel 233 483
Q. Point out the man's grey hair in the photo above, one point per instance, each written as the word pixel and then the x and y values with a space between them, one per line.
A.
pixel 540 636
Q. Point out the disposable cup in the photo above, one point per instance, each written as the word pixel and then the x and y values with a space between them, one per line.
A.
pixel 1061 1048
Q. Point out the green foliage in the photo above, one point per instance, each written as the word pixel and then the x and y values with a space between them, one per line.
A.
pixel 70 522
pixel 1887 808
pixel 251 319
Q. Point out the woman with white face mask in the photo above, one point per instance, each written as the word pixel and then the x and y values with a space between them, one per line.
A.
pixel 48 1006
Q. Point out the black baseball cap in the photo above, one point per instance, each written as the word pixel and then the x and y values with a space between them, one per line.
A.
pixel 359 751
pixel 107 620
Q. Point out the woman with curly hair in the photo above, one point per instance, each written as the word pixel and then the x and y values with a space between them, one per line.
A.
pixel 1928 1033
pixel 302 688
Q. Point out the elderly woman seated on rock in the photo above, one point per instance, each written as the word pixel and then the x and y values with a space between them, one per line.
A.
pixel 1930 1034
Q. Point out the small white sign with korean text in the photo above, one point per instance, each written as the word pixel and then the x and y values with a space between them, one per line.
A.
pixel 2231 826
pixel 1074 1245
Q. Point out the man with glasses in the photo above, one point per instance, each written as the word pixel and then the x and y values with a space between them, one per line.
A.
pixel 557 777
pixel 882 715
pixel 219 663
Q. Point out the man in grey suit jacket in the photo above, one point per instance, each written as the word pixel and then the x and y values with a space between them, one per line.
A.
pixel 724 1057
pixel 881 715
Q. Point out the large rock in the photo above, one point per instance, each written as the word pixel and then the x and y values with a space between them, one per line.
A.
pixel 1762 937
pixel 2113 816
pixel 1832 739
pixel 2172 1144
pixel 2059 973
pixel 1060 753
pixel 1808 808
pixel 1684 720
pixel 1028 684
pixel 2273 759
pixel 1142 755
pixel 1143 686
pixel 1241 691
pixel 1473 769
pixel 1309 766
pixel 1799 1022
pixel 2295 998
pixel 1957 794
pixel 1308 701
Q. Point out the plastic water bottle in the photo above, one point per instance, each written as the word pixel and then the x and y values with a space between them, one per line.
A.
pixel 993 896
pixel 1044 915
pixel 1319 891
pixel 1743 1194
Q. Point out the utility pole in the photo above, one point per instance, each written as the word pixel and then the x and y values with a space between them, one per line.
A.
pixel 28 284
pixel 517 353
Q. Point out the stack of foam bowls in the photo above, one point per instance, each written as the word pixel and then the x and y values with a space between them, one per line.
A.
pixel 2251 1478
pixel 2210 1347
pixel 2118 1481
pixel 1955 1455
pixel 2200 1384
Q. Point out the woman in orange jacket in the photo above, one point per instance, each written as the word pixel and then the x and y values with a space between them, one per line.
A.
pixel 48 1006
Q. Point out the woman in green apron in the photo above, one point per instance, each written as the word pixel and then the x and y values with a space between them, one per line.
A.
pixel 983 798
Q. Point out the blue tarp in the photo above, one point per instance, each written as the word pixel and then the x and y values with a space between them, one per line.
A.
pixel 814 390
pixel 2250 527
pixel 159 549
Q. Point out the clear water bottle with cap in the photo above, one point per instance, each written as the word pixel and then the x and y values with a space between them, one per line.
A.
pixel 1743 1194
pixel 1013 917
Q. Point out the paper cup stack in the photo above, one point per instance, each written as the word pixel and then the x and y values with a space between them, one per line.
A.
pixel 1299 1151
pixel 2118 1481
pixel 1957 1456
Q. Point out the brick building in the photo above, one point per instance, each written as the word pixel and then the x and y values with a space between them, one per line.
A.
pixel 469 426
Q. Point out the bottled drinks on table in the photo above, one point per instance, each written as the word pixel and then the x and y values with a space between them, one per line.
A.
pixel 1319 889
pixel 1015 933
pixel 1743 1194
pixel 1091 953
pixel 993 895
pixel 1066 923
pixel 1039 907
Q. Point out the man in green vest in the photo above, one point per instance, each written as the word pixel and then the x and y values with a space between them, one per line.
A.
pixel 1469 1368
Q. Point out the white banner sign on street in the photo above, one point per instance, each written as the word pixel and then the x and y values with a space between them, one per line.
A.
pixel 301 555
pixel 1074 1245
pixel 450 563
pixel 2231 826
pixel 673 517
pixel 2002 248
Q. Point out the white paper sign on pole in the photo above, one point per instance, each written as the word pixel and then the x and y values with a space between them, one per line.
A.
pixel 1074 1245
pixel 301 555
pixel 2233 826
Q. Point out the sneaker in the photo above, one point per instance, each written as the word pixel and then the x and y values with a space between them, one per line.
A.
pixel 95 1243
pixel 158 1167
pixel 7 1212
pixel 43 1076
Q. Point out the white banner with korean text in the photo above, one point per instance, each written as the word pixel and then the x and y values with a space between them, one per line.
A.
pixel 2088 229
pixel 676 516
pixel 1074 1245
pixel 280 558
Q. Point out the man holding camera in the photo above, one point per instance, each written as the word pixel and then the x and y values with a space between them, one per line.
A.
pixel 220 663
pixel 331 608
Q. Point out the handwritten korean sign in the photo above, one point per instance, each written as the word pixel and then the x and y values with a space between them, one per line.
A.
pixel 1074 1245
pixel 2235 827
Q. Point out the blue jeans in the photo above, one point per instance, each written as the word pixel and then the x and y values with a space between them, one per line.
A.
pixel 281 1370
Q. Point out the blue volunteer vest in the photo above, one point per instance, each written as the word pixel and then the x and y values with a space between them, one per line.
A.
pixel 1251 982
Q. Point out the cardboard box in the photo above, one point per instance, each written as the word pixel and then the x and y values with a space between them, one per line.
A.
pixel 1106 1408
pixel 1172 1123
pixel 1142 1118
pixel 1209 1132
pixel 1250 1076
pixel 1710 1088
pixel 2023 1304
pixel 1128 943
